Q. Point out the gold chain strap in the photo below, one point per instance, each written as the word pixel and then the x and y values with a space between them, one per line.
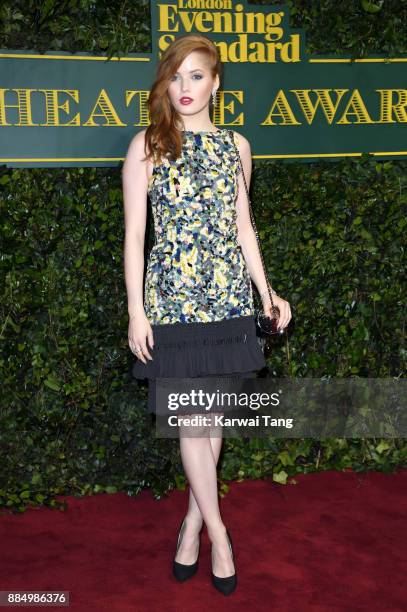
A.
pixel 253 222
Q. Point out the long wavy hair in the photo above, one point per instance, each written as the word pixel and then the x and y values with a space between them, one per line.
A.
pixel 163 138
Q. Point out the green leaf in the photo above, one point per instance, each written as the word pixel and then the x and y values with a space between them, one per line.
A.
pixel 52 383
pixel 36 478
pixel 372 7
pixel 280 477
pixel 285 458
pixel 382 447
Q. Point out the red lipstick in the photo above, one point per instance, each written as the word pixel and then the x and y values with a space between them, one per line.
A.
pixel 186 100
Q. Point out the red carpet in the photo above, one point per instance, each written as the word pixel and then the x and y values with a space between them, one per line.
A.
pixel 335 541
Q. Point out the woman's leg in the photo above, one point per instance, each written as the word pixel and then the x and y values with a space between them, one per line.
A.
pixel 200 449
pixel 194 518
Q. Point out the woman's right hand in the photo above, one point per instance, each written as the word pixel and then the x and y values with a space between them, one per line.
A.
pixel 139 332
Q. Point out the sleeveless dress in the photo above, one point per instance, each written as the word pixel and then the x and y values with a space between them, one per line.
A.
pixel 198 294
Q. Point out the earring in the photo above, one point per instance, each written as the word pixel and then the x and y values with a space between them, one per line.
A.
pixel 214 97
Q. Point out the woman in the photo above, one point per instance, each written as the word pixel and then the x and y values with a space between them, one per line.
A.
pixel 196 315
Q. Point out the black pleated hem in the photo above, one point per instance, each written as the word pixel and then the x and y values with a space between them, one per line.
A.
pixel 188 350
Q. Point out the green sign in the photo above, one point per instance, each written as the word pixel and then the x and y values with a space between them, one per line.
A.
pixel 62 109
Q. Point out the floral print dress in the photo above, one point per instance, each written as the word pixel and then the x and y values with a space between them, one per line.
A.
pixel 196 271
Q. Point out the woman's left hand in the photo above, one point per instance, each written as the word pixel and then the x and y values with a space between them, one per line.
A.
pixel 282 305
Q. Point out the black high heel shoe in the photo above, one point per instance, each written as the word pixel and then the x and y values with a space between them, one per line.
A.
pixel 228 584
pixel 181 571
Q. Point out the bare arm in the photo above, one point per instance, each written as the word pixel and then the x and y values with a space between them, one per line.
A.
pixel 248 241
pixel 246 235
pixel 135 181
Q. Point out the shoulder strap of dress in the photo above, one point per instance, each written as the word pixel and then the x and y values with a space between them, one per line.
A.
pixel 234 137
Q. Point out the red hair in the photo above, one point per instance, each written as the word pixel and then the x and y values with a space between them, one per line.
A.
pixel 162 137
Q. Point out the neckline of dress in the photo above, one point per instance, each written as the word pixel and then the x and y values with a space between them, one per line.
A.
pixel 202 131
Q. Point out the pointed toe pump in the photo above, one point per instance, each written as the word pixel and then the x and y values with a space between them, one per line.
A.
pixel 228 584
pixel 181 571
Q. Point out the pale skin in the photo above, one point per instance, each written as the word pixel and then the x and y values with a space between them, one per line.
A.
pixel 199 454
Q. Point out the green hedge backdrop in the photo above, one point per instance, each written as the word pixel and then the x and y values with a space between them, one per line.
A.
pixel 73 420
